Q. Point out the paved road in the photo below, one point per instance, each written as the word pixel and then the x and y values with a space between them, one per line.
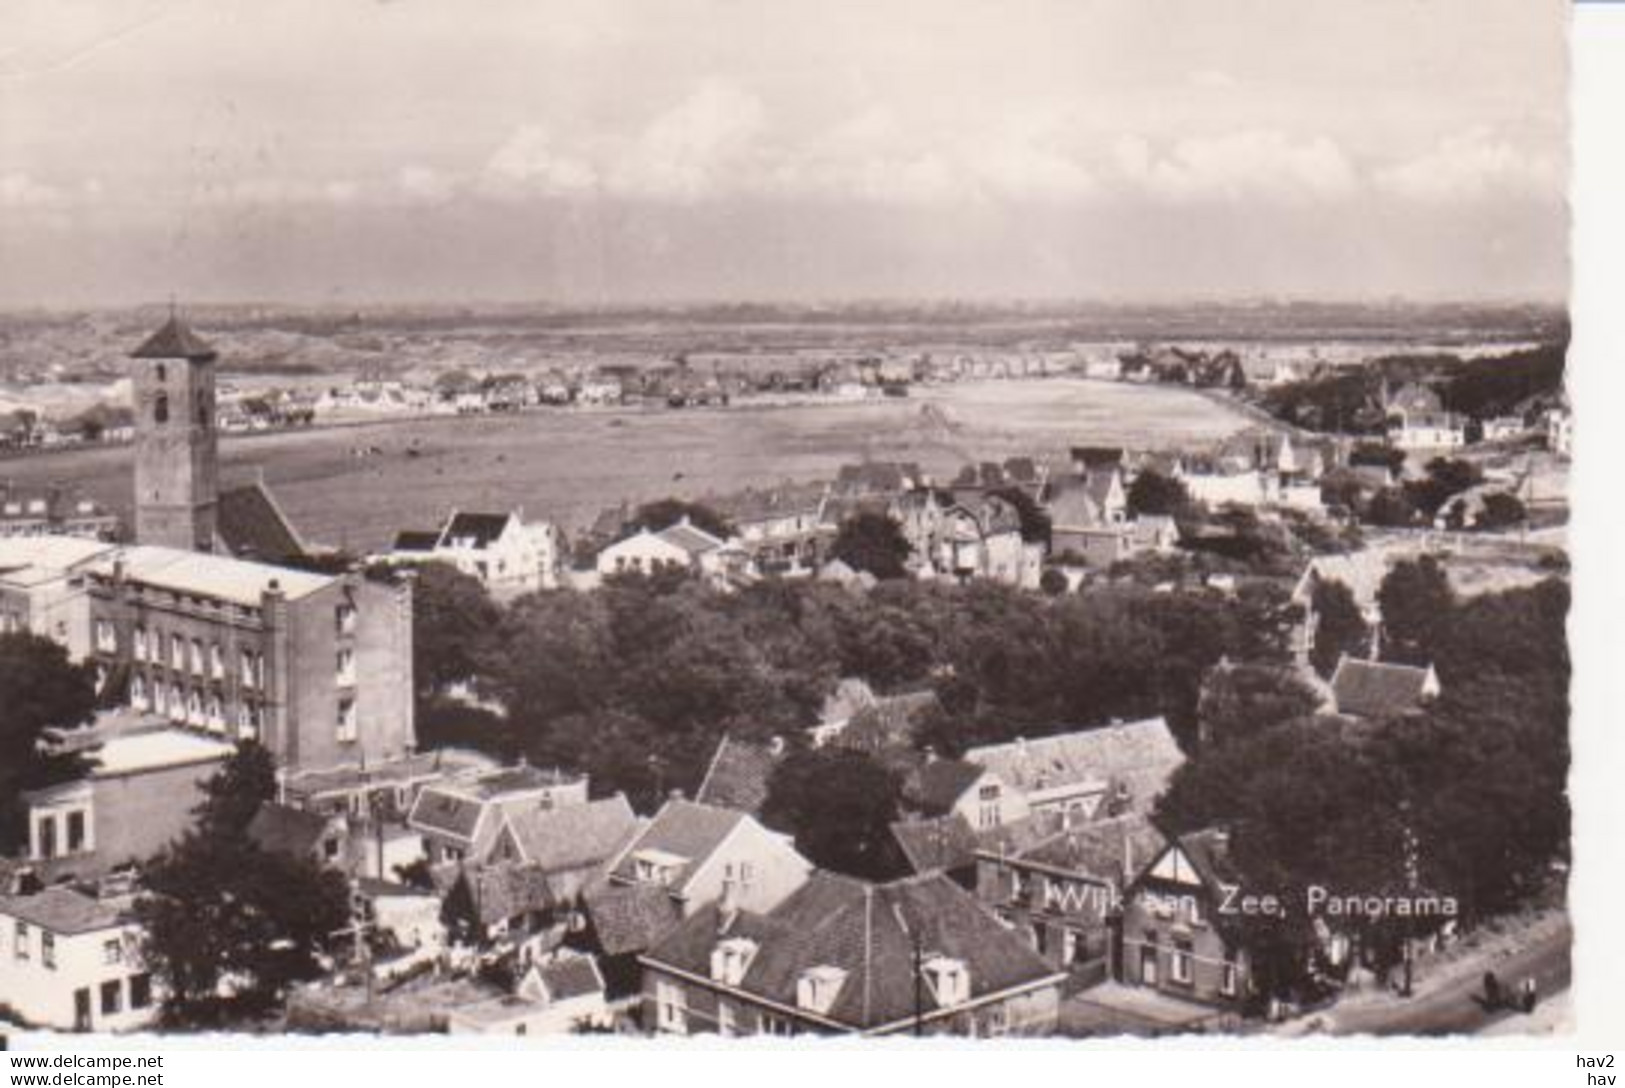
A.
pixel 1451 1008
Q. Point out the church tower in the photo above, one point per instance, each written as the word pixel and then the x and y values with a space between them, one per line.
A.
pixel 176 446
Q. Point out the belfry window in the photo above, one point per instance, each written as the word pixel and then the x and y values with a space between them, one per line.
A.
pixel 160 408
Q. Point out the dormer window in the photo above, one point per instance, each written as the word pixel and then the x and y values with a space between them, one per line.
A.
pixel 818 987
pixel 948 978
pixel 730 959
pixel 657 866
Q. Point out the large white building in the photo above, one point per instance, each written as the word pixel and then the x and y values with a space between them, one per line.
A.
pixel 509 556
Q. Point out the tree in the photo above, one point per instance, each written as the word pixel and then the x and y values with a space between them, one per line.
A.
pixel 1416 602
pixel 1391 507
pixel 1501 511
pixel 872 542
pixel 1238 701
pixel 1339 626
pixel 39 689
pixel 229 927
pixel 1154 493
pixel 453 620
pixel 839 805
pixel 664 513
pixel 234 793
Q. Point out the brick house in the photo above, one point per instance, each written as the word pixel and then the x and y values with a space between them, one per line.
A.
pixel 1175 939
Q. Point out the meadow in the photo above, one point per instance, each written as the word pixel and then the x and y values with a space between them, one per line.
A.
pixel 354 487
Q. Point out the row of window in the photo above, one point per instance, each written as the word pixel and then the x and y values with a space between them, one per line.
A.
pixel 183 655
pixel 74 839
pixel 193 707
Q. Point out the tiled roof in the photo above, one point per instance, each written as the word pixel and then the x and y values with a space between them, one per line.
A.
pixel 1073 505
pixel 570 977
pixel 575 836
pixel 66 910
pixel 738 775
pixel 690 538
pixel 1140 756
pixel 1110 849
pixel 474 530
pixel 279 829
pixel 252 526
pixel 936 843
pixel 174 340
pixel 685 829
pixel 868 931
pixel 447 812
pixel 501 892
pixel 1373 689
pixel 630 918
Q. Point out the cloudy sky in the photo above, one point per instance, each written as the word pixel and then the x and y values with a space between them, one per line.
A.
pixel 632 150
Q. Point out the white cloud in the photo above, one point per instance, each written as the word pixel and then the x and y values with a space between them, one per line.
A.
pixel 684 152
pixel 1472 165
pixel 531 162
pixel 1239 165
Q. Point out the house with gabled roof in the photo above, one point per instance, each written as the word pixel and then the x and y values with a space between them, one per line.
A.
pixel 562 995
pixel 460 819
pixel 1381 690
pixel 1177 938
pixel 844 956
pixel 508 555
pixel 1060 884
pixel 70 960
pixel 1086 774
pixel 698 852
pixel 683 546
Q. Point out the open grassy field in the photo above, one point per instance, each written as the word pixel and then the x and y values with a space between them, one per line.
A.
pixel 567 465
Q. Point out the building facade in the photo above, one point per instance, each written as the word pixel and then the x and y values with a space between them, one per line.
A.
pixel 71 960
pixel 317 668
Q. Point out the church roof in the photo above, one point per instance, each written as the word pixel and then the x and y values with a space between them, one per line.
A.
pixel 174 340
pixel 253 526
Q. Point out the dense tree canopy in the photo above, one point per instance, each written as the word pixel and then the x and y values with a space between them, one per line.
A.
pixel 839 805
pixel 1339 627
pixel 872 542
pixel 1416 599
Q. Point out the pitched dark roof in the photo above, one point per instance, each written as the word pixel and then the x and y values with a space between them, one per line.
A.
pixel 936 844
pixel 447 812
pixel 252 526
pixel 869 932
pixel 174 340
pixel 941 782
pixel 738 776
pixel 575 836
pixel 501 892
pixel 630 918
pixel 1109 850
pixel 573 976
pixel 279 829
pixel 416 540
pixel 477 530
pixel 1099 456
pixel 1374 689
pixel 686 829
